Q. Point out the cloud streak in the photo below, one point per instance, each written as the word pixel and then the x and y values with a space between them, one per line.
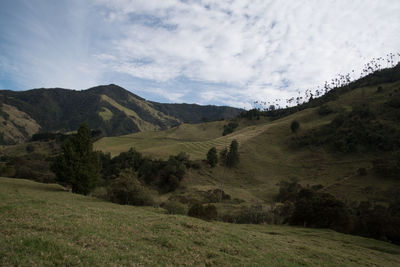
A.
pixel 209 52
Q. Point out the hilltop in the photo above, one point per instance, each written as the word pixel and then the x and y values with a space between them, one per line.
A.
pixel 109 108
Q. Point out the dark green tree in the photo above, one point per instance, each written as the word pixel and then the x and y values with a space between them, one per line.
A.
pixel 232 158
pixel 78 165
pixel 294 126
pixel 212 157
pixel 223 155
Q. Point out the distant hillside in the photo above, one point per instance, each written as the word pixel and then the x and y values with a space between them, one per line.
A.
pixel 110 108
pixel 355 160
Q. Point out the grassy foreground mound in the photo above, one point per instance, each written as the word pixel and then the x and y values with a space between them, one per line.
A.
pixel 42 224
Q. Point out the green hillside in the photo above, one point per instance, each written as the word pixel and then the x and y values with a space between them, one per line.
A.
pixel 45 225
pixel 270 153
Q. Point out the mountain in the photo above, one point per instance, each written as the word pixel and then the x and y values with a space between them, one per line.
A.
pixel 109 108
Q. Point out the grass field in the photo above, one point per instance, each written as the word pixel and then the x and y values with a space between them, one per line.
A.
pixel 42 224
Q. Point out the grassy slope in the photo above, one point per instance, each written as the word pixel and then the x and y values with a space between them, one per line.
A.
pixel 267 155
pixel 45 225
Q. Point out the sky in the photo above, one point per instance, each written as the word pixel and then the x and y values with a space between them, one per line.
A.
pixel 225 52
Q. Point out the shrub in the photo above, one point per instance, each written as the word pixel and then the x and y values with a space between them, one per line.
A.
pixel 208 212
pixel 254 215
pixel 196 210
pixel 30 148
pixel 324 110
pixel 386 168
pixel 217 195
pixel 100 192
pixel 294 126
pixel 175 207
pixel 362 171
pixel 127 190
pixel 288 191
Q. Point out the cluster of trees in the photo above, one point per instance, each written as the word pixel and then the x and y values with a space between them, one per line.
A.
pixel 373 74
pixel 377 70
pixel 228 157
pixel 81 168
pixel 311 207
pixel 230 128
pixel 356 131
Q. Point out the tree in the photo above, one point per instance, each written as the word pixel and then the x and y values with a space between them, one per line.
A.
pixel 223 155
pixel 294 126
pixel 78 165
pixel 232 158
pixel 212 157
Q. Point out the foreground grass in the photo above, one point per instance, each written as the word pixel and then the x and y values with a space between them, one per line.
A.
pixel 45 225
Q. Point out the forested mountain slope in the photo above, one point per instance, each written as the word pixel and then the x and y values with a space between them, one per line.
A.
pixel 110 108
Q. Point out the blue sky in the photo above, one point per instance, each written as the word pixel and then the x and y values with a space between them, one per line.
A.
pixel 207 52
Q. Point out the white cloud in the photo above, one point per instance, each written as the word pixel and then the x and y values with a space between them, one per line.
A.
pixel 246 50
pixel 285 45
pixel 171 96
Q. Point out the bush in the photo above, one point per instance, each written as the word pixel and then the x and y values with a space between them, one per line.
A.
pixel 387 168
pixel 362 171
pixel 217 195
pixel 175 207
pixel 127 190
pixel 208 212
pixel 324 110
pixel 254 215
pixel 100 192
pixel 294 126
pixel 30 148
pixel 288 191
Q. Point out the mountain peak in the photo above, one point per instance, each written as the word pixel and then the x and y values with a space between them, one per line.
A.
pixel 113 91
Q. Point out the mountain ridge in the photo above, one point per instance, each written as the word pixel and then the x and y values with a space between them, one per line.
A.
pixel 109 108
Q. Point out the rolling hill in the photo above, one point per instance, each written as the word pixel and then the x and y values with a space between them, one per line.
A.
pixel 111 109
pixel 271 153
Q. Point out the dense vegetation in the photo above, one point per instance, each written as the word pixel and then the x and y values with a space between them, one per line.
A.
pixel 230 128
pixel 311 207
